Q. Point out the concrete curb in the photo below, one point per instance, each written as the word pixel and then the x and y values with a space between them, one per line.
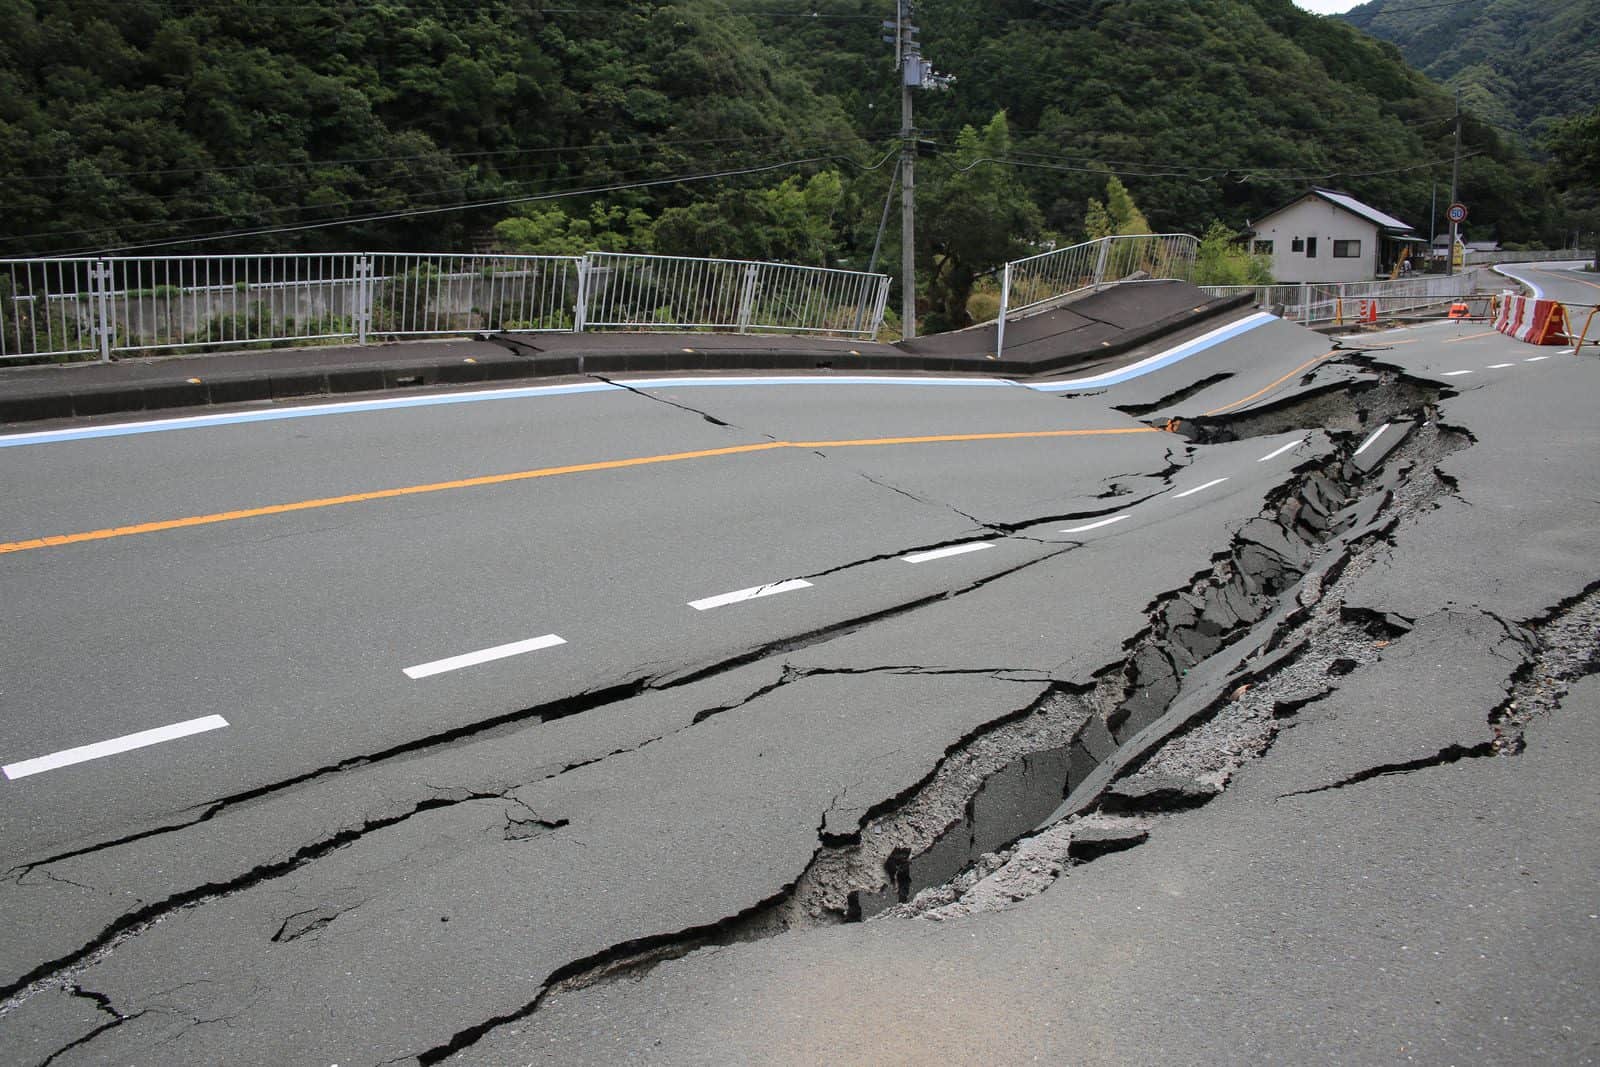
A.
pixel 537 356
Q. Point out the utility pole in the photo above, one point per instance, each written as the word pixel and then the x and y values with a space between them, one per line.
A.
pixel 915 73
pixel 908 183
pixel 1433 213
pixel 1455 174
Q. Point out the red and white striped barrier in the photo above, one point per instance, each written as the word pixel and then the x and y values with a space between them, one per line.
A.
pixel 1538 322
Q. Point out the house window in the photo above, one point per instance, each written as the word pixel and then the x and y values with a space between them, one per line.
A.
pixel 1311 248
pixel 1263 248
pixel 1347 250
pixel 1297 245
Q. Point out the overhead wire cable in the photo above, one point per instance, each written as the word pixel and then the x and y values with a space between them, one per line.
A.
pixel 500 202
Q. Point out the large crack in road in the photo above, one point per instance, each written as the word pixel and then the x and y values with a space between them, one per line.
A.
pixel 1069 773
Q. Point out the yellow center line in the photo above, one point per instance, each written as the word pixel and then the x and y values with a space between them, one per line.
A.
pixel 1470 337
pixel 522 476
pixel 1268 388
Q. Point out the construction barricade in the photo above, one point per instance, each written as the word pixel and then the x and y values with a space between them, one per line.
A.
pixel 1538 322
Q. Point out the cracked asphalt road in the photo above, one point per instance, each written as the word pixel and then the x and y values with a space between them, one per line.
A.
pixel 367 867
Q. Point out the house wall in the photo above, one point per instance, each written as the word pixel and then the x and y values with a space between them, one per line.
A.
pixel 1314 217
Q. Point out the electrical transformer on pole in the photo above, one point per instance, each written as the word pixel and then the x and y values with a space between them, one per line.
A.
pixel 915 73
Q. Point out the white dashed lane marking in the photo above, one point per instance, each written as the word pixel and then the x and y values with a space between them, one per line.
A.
pixel 1095 525
pixel 1375 435
pixel 1196 489
pixel 1276 452
pixel 1500 366
pixel 100 749
pixel 753 593
pixel 485 655
pixel 1455 373
pixel 942 553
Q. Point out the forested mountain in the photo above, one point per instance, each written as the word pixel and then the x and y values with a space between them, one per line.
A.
pixel 1520 63
pixel 1206 108
pixel 123 121
pixel 131 122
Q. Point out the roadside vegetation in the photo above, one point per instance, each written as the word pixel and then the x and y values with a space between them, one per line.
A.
pixel 704 127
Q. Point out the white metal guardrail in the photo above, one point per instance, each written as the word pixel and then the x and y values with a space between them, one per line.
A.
pixel 627 290
pixel 75 308
pixel 1036 280
pixel 1559 256
pixel 1312 303
pixel 52 307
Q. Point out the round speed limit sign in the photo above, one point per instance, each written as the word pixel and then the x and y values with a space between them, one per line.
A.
pixel 1457 213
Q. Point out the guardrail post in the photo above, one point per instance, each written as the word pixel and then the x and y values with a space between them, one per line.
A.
pixel 1100 266
pixel 362 312
pixel 1005 306
pixel 1305 303
pixel 100 288
pixel 580 302
pixel 747 298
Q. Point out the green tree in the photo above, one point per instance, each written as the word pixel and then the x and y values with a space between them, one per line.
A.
pixel 1117 216
pixel 1574 146
pixel 976 216
pixel 1220 260
pixel 549 231
pixel 794 221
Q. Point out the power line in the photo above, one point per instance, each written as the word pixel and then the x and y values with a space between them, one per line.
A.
pixel 1214 174
pixel 499 202
pixel 1409 8
pixel 197 192
pixel 296 208
pixel 559 149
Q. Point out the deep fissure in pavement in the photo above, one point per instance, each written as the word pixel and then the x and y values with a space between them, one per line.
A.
pixel 1268 555
pixel 967 825
pixel 1567 649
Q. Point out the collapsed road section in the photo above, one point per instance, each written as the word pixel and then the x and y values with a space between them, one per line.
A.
pixel 1138 637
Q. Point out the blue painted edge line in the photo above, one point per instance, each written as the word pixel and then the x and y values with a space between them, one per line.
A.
pixel 1161 360
pixel 353 407
pixel 690 383
pixel 356 407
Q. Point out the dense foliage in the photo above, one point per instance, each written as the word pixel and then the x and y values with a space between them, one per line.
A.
pixel 196 124
pixel 1574 146
pixel 141 120
pixel 1519 63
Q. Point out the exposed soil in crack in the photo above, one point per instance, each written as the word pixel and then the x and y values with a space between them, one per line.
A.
pixel 1338 407
pixel 960 841
pixel 131 923
pixel 1566 648
pixel 1287 546
pixel 1328 641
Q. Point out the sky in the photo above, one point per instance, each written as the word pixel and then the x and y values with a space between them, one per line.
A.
pixel 1327 7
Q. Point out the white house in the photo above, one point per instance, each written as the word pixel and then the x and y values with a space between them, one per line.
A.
pixel 1326 236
